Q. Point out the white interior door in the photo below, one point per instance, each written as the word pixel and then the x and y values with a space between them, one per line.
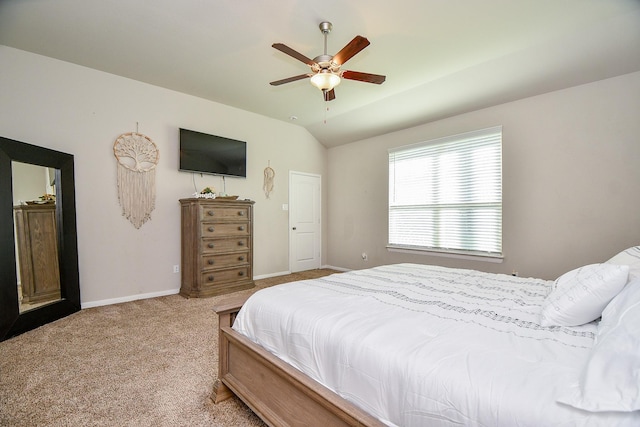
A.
pixel 305 229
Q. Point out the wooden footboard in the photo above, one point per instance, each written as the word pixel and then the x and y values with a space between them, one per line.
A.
pixel 277 392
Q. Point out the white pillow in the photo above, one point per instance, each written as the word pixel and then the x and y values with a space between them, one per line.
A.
pixel 630 257
pixel 611 378
pixel 579 296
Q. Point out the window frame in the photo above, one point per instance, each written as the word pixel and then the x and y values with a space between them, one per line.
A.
pixel 437 149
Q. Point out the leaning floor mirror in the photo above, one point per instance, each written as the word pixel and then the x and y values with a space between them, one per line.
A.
pixel 39 280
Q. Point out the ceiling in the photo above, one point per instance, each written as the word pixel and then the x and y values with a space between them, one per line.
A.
pixel 441 58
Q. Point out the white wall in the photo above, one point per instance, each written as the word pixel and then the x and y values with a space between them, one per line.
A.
pixel 571 182
pixel 571 174
pixel 29 182
pixel 81 111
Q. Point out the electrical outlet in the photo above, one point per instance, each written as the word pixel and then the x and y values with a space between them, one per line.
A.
pixel 365 257
pixel 176 269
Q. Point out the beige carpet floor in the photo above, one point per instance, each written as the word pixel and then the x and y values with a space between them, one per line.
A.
pixel 150 362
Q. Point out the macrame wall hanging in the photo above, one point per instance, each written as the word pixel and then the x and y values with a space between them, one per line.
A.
pixel 269 175
pixel 137 157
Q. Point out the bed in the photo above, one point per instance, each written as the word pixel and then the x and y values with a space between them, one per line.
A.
pixel 416 345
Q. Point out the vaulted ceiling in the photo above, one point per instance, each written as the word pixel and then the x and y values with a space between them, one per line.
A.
pixel 441 58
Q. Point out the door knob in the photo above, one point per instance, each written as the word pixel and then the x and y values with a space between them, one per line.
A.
pixel 293 228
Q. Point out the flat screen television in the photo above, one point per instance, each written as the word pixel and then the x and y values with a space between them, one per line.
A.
pixel 211 154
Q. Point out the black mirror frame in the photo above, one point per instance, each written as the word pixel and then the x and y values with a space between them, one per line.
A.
pixel 12 322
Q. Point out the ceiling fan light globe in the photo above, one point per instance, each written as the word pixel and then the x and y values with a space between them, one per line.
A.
pixel 325 80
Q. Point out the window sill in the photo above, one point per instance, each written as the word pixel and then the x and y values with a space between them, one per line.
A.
pixel 486 257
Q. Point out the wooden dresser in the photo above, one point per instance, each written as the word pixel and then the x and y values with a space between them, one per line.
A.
pixel 37 243
pixel 217 246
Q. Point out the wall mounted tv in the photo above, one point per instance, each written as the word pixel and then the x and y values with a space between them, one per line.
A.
pixel 203 153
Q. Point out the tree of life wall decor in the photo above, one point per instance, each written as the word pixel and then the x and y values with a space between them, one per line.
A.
pixel 137 157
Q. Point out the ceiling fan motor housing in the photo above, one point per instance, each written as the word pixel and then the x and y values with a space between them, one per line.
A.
pixel 324 62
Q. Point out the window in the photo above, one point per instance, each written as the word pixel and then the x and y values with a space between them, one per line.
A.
pixel 446 195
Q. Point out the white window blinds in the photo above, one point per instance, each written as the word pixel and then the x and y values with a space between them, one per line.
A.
pixel 446 194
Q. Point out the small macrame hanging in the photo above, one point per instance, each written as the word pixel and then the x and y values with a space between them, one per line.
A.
pixel 137 157
pixel 269 175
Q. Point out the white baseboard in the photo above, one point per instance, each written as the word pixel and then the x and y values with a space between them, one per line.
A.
pixel 129 298
pixel 266 276
pixel 284 273
pixel 336 268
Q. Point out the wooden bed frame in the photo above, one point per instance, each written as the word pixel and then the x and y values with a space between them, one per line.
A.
pixel 278 393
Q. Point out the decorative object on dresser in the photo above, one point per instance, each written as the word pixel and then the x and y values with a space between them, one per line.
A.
pixel 217 246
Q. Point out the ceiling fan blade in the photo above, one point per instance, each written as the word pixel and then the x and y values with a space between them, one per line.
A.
pixel 356 45
pixel 329 95
pixel 294 54
pixel 290 79
pixel 363 77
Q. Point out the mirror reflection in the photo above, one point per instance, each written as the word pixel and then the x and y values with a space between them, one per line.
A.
pixel 36 236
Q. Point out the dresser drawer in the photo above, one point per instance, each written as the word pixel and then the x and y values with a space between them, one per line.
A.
pixel 213 246
pixel 208 212
pixel 211 229
pixel 225 260
pixel 223 276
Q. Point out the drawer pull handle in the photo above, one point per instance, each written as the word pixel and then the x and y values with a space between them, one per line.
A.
pixel 240 258
pixel 210 278
pixel 210 262
pixel 241 228
pixel 241 243
pixel 241 273
pixel 210 213
pixel 210 245
pixel 210 229
pixel 241 213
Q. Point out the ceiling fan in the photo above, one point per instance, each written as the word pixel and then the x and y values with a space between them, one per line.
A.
pixel 326 73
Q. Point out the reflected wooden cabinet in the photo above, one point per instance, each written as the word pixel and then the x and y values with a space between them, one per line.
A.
pixel 37 245
pixel 217 246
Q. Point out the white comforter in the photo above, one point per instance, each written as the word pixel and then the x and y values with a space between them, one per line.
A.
pixel 418 345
